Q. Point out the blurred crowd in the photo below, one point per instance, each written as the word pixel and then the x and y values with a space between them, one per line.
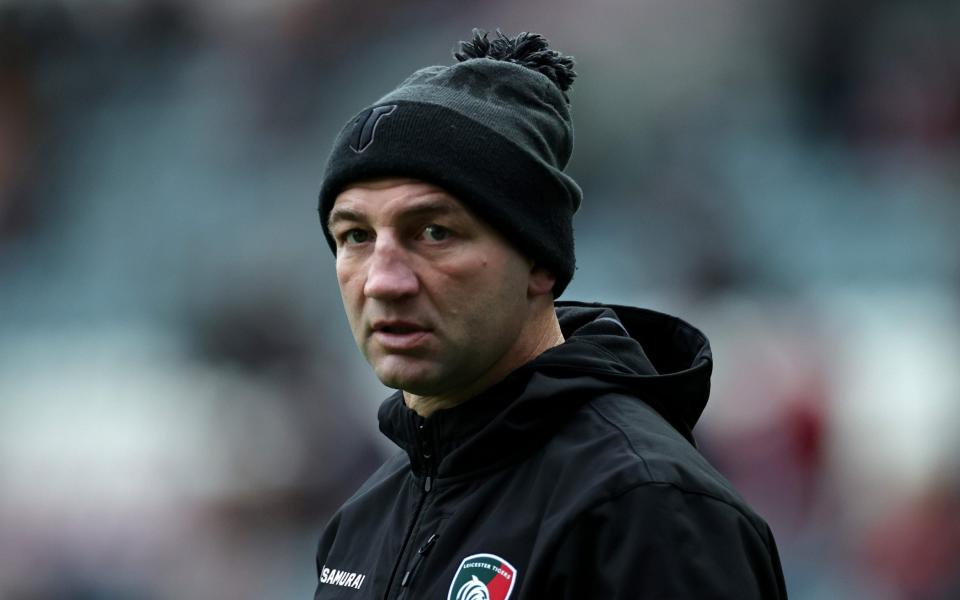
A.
pixel 181 402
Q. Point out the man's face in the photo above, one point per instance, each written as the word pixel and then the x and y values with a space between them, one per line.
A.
pixel 436 299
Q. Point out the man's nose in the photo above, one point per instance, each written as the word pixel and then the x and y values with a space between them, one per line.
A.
pixel 390 275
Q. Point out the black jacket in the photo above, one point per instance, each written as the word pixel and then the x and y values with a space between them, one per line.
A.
pixel 576 477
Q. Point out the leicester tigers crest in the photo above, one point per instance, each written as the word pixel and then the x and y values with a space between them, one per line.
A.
pixel 483 577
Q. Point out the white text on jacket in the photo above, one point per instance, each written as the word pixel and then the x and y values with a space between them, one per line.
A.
pixel 344 578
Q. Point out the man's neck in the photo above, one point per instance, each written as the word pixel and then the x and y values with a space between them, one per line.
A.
pixel 547 336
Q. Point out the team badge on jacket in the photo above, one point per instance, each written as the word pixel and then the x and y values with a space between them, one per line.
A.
pixel 483 577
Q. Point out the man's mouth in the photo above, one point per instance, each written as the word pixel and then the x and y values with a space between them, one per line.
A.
pixel 400 328
pixel 399 335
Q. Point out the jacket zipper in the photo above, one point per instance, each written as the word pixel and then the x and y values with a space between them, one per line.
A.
pixel 427 453
pixel 412 571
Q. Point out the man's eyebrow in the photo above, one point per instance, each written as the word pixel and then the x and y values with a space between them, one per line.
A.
pixel 343 214
pixel 430 208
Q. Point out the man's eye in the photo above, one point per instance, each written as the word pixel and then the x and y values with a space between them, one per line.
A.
pixel 356 236
pixel 436 233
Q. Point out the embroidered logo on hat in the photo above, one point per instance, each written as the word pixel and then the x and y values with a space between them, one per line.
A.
pixel 483 577
pixel 365 126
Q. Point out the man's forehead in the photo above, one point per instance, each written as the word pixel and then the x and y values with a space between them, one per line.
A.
pixel 393 195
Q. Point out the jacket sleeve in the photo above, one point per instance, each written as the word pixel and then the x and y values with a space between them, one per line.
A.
pixel 326 542
pixel 658 541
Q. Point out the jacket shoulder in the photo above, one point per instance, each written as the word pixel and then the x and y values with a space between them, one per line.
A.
pixel 621 442
pixel 629 484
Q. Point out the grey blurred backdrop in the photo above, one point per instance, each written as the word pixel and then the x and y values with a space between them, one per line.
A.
pixel 181 402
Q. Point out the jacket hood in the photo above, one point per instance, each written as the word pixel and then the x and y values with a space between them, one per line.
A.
pixel 652 357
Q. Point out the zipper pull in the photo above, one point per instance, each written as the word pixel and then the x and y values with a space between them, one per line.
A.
pixel 408 576
pixel 427 483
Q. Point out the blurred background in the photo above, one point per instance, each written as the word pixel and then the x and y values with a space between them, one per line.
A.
pixel 181 402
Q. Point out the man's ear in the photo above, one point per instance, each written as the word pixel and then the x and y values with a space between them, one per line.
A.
pixel 541 281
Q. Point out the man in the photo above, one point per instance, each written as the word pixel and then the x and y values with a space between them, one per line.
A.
pixel 546 447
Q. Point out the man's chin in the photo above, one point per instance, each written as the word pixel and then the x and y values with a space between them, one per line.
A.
pixel 404 373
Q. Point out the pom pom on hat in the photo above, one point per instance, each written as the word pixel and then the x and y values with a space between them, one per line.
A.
pixel 529 50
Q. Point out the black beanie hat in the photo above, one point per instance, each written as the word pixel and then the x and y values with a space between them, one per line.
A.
pixel 493 130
